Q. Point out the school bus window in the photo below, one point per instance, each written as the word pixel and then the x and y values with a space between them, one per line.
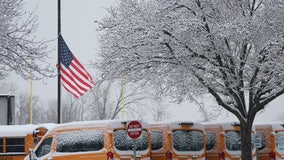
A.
pixel 123 143
pixel 210 140
pixel 44 148
pixel 263 139
pixel 15 145
pixel 280 140
pixel 156 140
pixel 1 145
pixel 80 141
pixel 187 140
pixel 233 142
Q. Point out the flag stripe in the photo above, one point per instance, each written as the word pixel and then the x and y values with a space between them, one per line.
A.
pixel 67 87
pixel 82 68
pixel 74 77
pixel 69 80
pixel 81 80
pixel 78 71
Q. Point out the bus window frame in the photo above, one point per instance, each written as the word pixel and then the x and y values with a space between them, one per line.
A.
pixel 161 139
pixel 189 130
pixel 40 145
pixel 214 135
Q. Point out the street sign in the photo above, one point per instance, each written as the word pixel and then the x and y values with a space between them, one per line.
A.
pixel 134 129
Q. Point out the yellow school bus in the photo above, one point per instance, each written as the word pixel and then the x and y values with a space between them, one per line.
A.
pixel 180 140
pixel 215 145
pixel 100 140
pixel 16 140
pixel 160 137
pixel 223 141
pixel 272 140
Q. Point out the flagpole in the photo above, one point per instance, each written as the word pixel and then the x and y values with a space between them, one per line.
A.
pixel 58 65
pixel 31 94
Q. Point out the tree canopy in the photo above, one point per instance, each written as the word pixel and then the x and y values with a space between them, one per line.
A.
pixel 232 50
pixel 20 51
pixel 226 48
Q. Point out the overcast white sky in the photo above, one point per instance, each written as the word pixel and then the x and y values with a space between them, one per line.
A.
pixel 79 31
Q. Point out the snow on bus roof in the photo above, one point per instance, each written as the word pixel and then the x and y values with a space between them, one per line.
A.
pixel 230 125
pixel 161 123
pixel 223 126
pixel 177 124
pixel 221 123
pixel 20 130
pixel 23 130
pixel 115 123
pixel 276 126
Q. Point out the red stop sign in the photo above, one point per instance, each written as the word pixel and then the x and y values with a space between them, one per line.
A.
pixel 134 129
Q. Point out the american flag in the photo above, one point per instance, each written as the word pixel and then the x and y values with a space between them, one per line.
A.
pixel 74 77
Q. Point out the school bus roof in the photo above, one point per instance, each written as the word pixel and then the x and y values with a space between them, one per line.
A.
pixel 222 125
pixel 226 125
pixel 178 124
pixel 21 130
pixel 275 126
pixel 151 124
pixel 97 123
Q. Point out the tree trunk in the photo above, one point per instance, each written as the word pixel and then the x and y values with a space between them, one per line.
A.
pixel 246 141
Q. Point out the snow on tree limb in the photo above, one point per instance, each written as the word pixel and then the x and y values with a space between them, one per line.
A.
pixel 18 44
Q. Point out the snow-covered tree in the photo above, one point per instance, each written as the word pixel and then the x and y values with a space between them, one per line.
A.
pixel 50 111
pixel 23 109
pixel 108 97
pixel 20 51
pixel 71 109
pixel 159 113
pixel 232 50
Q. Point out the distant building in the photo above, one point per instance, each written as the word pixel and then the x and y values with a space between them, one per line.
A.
pixel 7 110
